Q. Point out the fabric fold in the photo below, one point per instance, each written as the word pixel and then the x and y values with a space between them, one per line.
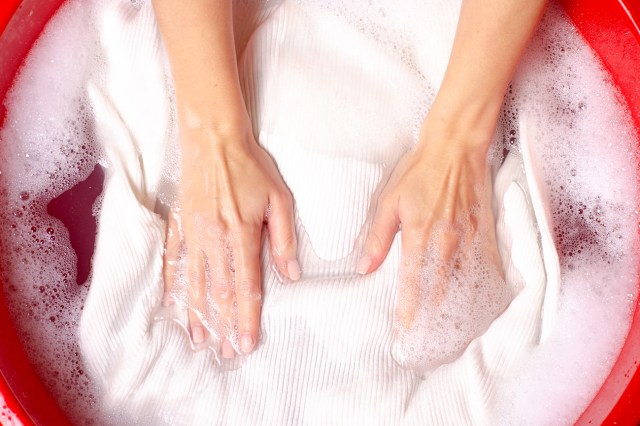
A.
pixel 325 355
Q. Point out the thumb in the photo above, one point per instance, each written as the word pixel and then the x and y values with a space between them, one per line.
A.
pixel 383 230
pixel 282 236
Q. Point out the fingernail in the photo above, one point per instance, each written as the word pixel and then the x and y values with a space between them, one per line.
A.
pixel 246 343
pixel 197 334
pixel 294 270
pixel 363 264
pixel 227 350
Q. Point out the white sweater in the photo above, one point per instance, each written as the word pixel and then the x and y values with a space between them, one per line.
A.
pixel 336 108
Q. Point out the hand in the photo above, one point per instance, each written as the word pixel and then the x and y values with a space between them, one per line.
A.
pixel 440 194
pixel 230 189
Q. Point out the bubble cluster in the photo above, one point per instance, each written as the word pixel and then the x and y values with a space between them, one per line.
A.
pixel 446 299
pixel 585 146
pixel 7 416
pixel 215 303
pixel 47 148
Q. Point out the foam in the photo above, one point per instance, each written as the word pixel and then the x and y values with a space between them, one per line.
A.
pixel 588 156
pixel 219 322
pixel 7 417
pixel 47 147
pixel 589 160
pixel 461 293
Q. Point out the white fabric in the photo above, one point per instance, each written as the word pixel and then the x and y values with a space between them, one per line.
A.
pixel 335 122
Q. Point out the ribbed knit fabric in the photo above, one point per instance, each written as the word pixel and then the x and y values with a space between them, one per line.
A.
pixel 336 110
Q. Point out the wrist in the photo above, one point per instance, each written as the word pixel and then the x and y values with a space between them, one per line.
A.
pixel 196 127
pixel 467 123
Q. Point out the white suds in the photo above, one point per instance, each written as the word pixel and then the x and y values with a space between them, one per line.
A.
pixel 587 152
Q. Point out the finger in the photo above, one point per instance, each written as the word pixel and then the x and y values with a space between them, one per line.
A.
pixel 425 271
pixel 170 259
pixel 226 348
pixel 282 236
pixel 196 296
pixel 486 230
pixel 220 276
pixel 412 268
pixel 383 230
pixel 198 331
pixel 248 284
pixel 447 242
pixel 218 272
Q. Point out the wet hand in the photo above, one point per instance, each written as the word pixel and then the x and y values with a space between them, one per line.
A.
pixel 231 191
pixel 440 196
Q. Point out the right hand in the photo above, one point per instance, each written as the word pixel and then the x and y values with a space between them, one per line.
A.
pixel 229 190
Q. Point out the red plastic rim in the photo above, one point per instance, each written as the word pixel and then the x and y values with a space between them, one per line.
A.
pixel 611 27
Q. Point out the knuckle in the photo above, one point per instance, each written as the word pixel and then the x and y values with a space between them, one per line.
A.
pixel 222 291
pixel 248 289
pixel 375 243
pixel 234 222
pixel 451 238
pixel 251 229
pixel 194 274
pixel 283 198
pixel 287 201
pixel 474 224
pixel 286 243
pixel 423 232
pixel 416 242
pixel 196 292
pixel 212 230
pixel 247 241
pixel 384 201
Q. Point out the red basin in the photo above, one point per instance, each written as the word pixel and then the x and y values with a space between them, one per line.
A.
pixel 612 28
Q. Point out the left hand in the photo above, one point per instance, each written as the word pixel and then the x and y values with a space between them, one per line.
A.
pixel 440 195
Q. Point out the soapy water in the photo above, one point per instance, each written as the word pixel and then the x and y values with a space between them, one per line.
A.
pixel 206 303
pixel 47 148
pixel 7 417
pixel 589 159
pixel 214 315
pixel 447 299
pixel 587 153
